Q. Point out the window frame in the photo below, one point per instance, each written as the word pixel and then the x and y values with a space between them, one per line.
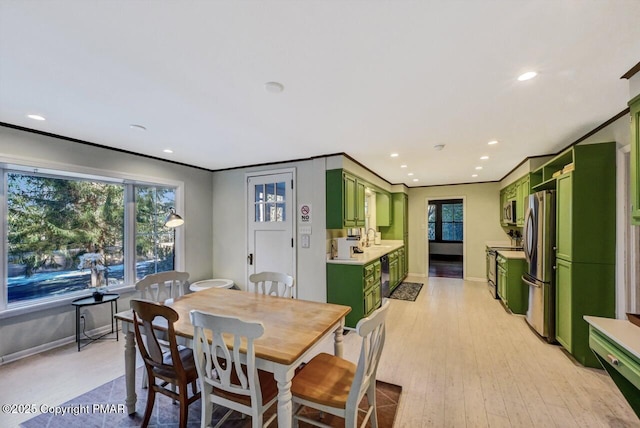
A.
pixel 62 170
pixel 438 223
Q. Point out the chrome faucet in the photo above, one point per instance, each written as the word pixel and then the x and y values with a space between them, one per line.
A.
pixel 367 234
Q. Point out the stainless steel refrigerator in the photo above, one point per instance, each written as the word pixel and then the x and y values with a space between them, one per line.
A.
pixel 539 248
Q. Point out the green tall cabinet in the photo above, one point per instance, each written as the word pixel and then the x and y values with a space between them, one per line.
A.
pixel 399 227
pixel 585 241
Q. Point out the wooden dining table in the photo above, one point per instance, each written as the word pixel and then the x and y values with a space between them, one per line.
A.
pixel 292 328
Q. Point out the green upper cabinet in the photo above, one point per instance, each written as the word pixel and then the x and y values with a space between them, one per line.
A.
pixel 353 202
pixel 397 229
pixel 384 214
pixel 516 191
pixel 345 200
pixel 564 196
pixel 523 191
pixel 634 106
pixel 586 206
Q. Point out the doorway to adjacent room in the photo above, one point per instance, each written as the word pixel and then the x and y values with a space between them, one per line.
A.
pixel 445 233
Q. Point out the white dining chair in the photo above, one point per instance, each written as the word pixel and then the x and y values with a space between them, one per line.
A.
pixel 273 283
pixel 161 287
pixel 336 386
pixel 223 379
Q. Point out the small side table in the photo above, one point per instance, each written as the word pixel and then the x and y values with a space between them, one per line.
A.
pixel 91 301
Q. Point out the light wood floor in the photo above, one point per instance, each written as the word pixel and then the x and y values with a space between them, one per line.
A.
pixel 462 360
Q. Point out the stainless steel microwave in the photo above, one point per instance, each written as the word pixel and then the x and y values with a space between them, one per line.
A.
pixel 509 212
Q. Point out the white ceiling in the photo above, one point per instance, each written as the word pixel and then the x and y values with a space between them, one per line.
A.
pixel 367 78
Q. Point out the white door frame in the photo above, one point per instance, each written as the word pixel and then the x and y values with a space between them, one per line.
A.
pixel 464 231
pixel 294 261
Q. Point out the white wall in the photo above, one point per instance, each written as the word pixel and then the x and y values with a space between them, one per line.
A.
pixel 20 333
pixel 229 226
pixel 482 223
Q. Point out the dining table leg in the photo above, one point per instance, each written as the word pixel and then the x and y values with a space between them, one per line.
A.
pixel 338 337
pixel 283 376
pixel 130 369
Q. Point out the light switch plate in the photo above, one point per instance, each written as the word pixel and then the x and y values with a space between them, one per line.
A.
pixel 304 230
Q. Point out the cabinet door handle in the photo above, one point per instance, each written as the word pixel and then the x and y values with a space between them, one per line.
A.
pixel 613 360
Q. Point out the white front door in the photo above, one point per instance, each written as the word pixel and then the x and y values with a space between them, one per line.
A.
pixel 270 205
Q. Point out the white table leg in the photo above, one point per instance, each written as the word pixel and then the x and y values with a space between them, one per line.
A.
pixel 130 369
pixel 283 376
pixel 337 345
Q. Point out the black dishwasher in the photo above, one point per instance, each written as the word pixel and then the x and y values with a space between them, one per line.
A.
pixel 384 276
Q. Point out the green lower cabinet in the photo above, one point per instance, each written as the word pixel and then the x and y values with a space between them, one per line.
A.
pixel 582 289
pixel 502 282
pixel 394 271
pixel 402 265
pixel 510 286
pixel 357 286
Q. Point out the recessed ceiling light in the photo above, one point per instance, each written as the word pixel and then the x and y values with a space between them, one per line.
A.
pixel 491 143
pixel 394 155
pixel 484 157
pixel 274 87
pixel 36 117
pixel 415 179
pixel 168 151
pixel 138 127
pixel 474 175
pixel 410 174
pixel 527 76
pixel 438 147
pixel 478 167
pixel 403 166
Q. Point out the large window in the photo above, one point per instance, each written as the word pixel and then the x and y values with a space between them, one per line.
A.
pixel 154 241
pixel 445 221
pixel 59 227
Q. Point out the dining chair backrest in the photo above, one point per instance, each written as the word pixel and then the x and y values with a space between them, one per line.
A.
pixel 273 283
pixel 217 356
pixel 373 332
pixel 163 286
pixel 144 314
pixel 230 377
pixel 174 368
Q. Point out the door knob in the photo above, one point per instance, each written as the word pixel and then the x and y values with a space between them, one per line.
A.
pixel 250 259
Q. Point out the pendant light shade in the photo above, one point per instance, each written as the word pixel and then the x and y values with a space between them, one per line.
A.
pixel 173 220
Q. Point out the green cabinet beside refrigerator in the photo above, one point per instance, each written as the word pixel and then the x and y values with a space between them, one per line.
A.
pixel 510 287
pixel 585 242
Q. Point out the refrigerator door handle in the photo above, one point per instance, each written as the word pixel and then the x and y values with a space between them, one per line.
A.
pixel 526 233
pixel 532 284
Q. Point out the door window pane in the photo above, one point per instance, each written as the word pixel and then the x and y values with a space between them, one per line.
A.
pixel 270 205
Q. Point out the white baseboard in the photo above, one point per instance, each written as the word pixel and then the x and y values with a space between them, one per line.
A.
pixel 473 278
pixel 51 345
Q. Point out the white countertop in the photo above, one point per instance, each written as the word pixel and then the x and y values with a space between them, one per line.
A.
pixel 370 254
pixel 622 332
pixel 508 254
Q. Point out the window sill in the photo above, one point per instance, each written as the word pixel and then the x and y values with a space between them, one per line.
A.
pixel 28 308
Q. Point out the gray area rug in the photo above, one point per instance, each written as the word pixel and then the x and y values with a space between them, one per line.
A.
pixel 407 291
pixel 103 408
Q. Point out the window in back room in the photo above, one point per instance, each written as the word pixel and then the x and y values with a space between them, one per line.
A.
pixel 445 234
